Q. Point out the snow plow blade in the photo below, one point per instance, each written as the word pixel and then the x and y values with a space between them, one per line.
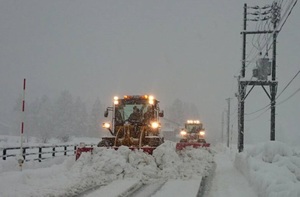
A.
pixel 183 145
pixel 80 150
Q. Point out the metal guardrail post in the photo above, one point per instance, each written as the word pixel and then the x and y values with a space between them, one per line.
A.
pixel 38 151
pixel 40 154
pixel 24 153
pixel 4 154
pixel 65 153
pixel 53 151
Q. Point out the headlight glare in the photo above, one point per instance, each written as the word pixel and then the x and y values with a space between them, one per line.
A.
pixel 106 125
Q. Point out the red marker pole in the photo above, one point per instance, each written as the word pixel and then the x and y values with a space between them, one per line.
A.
pixel 21 159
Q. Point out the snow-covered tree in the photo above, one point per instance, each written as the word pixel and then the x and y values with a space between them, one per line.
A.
pixel 175 112
pixel 45 119
pixel 61 119
pixel 95 119
pixel 63 116
pixel 17 114
pixel 80 122
pixel 178 112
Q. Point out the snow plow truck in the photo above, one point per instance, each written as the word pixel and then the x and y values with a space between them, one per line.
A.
pixel 193 135
pixel 134 123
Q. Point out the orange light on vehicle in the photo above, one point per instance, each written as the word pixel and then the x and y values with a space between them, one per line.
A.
pixel 116 100
pixel 151 100
pixel 154 125
pixel 183 132
pixel 193 121
pixel 106 125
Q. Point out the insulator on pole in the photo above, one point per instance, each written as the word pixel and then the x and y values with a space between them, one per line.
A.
pixel 266 12
pixel 253 7
pixel 266 6
pixel 255 19
pixel 253 13
pixel 265 18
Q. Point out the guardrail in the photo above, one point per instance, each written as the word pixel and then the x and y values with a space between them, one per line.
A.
pixel 40 152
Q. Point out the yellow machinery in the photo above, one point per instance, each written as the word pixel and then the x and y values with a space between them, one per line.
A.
pixel 192 135
pixel 134 123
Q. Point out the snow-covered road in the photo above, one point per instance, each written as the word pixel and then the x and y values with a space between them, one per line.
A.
pixel 228 181
pixel 111 172
pixel 271 169
pixel 160 188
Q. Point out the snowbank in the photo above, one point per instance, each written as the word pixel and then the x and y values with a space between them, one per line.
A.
pixel 104 166
pixel 273 169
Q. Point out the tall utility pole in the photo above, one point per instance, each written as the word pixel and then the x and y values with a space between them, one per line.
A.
pixel 228 121
pixel 263 68
pixel 222 134
pixel 243 71
pixel 273 88
pixel 241 104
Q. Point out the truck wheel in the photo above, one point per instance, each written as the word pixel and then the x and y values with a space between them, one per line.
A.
pixel 104 143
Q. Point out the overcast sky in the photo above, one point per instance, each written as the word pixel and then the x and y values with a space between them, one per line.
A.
pixel 190 50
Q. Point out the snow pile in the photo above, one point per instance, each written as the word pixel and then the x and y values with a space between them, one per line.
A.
pixel 188 164
pixel 103 166
pixel 272 168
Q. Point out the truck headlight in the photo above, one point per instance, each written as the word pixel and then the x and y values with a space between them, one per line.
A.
pixel 151 100
pixel 183 132
pixel 202 133
pixel 106 125
pixel 154 125
pixel 116 100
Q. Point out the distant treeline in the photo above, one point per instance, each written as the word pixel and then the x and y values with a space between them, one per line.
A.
pixel 65 116
pixel 60 118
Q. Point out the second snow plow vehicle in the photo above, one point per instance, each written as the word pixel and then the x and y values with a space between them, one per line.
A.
pixel 134 123
pixel 193 135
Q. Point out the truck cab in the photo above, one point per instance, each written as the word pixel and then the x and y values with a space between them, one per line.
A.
pixel 134 122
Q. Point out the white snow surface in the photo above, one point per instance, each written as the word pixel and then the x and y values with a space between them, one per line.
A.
pixel 68 177
pixel 179 188
pixel 272 168
pixel 114 189
pixel 228 181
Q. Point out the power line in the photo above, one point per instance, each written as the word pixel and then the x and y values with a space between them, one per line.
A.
pixel 260 109
pixel 288 84
pixel 288 14
pixel 289 97
pixel 267 38
pixel 259 115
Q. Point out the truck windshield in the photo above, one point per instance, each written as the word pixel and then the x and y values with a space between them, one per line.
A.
pixel 192 128
pixel 139 111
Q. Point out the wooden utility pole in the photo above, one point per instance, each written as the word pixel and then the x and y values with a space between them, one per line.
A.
pixel 228 121
pixel 222 134
pixel 260 72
